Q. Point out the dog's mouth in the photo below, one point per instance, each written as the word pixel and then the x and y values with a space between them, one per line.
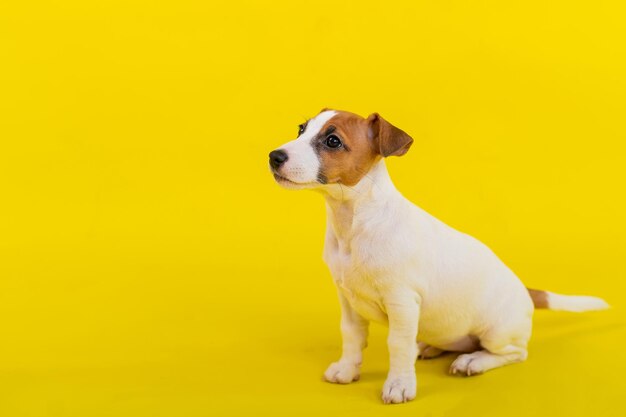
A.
pixel 292 184
pixel 280 178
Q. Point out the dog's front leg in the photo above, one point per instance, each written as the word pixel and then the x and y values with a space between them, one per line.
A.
pixel 401 384
pixel 354 330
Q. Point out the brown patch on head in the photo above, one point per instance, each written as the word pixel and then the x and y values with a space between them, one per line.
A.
pixel 390 140
pixel 363 143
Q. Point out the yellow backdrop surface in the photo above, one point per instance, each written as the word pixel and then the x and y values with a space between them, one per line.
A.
pixel 149 266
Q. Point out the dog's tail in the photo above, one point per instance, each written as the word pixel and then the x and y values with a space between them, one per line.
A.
pixel 577 303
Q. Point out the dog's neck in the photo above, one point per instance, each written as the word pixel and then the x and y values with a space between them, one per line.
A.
pixel 344 203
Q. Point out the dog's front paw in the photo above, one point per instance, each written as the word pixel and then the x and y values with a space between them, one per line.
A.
pixel 399 389
pixel 342 373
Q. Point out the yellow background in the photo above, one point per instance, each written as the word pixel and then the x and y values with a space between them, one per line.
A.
pixel 149 266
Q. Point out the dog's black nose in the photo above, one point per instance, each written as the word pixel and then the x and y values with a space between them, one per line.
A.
pixel 277 158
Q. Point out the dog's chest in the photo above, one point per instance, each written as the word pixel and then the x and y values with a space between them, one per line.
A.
pixel 356 278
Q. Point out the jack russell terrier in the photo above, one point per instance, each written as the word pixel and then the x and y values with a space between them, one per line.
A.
pixel 437 289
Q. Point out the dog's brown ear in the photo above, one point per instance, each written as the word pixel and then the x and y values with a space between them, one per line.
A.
pixel 388 140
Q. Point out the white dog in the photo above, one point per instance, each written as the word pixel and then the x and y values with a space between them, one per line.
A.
pixel 438 289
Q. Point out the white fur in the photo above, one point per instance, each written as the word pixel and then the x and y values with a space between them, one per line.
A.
pixel 303 164
pixel 394 263
pixel 575 303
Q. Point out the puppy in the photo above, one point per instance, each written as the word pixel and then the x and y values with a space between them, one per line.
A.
pixel 437 289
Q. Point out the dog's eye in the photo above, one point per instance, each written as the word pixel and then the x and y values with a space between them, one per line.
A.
pixel 333 142
pixel 301 129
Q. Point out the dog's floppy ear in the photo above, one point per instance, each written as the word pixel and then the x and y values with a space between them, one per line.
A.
pixel 388 140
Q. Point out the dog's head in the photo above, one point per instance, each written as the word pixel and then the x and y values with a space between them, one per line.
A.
pixel 336 147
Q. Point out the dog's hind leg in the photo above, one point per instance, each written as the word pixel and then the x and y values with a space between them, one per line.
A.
pixel 483 360
pixel 428 352
pixel 499 348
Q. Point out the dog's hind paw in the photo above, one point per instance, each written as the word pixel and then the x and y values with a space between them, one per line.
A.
pixel 428 352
